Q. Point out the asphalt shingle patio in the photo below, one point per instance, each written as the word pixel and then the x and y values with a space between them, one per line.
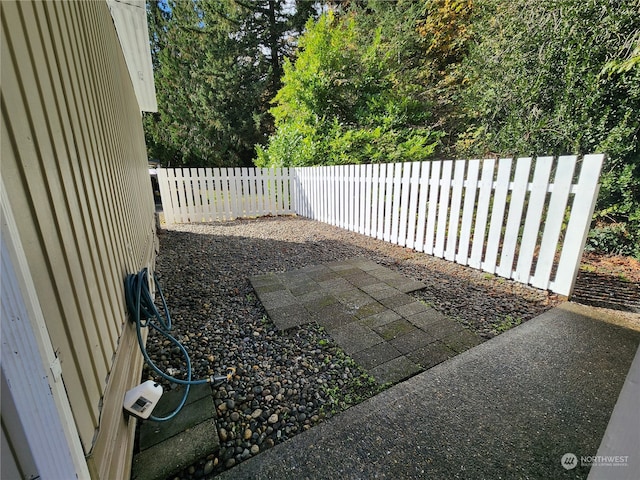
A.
pixel 366 309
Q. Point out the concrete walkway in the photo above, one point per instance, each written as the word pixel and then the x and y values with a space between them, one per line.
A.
pixel 366 309
pixel 511 407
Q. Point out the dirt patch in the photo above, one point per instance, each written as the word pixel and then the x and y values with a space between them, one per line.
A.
pixel 611 282
pixel 626 269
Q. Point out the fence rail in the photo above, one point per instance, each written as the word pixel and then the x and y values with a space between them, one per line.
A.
pixel 522 219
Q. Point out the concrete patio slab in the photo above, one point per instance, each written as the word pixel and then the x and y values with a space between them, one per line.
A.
pixel 511 407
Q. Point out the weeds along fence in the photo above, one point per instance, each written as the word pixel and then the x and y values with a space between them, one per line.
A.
pixel 524 219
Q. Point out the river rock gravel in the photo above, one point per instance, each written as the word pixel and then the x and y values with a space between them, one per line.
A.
pixel 287 382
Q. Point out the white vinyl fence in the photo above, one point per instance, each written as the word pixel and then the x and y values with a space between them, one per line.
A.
pixel 522 219
pixel 216 194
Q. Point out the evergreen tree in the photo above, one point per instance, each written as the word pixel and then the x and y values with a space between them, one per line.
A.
pixel 217 65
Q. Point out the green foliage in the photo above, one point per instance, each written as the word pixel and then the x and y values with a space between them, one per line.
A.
pixel 344 100
pixel 506 323
pixel 356 389
pixel 536 86
pixel 613 239
pixel 378 81
pixel 216 65
pixel 628 64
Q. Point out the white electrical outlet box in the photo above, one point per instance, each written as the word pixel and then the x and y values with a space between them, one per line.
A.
pixel 141 400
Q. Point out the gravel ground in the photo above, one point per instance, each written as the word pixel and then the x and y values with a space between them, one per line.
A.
pixel 287 382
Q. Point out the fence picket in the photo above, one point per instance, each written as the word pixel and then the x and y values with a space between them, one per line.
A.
pixel 382 185
pixel 412 213
pixel 238 208
pixel 318 197
pixel 188 190
pixel 322 179
pixel 165 197
pixel 584 202
pixel 173 185
pixel 361 176
pixel 553 223
pixel 258 192
pixel 366 211
pixel 192 191
pixel 536 204
pixel 197 195
pixel 182 201
pixel 451 209
pixel 301 206
pixel 212 193
pixel 286 191
pixel 312 196
pixel 388 202
pixel 340 208
pixel 443 208
pixel 482 213
pixel 262 185
pixel 497 215
pixel 202 194
pixel 221 193
pixel 422 205
pixel 405 185
pixel 276 179
pixel 359 206
pixel 350 193
pixel 470 194
pixel 395 200
pixel 375 187
pixel 269 197
pixel 514 217
pixel 434 189
pixel 454 215
pixel 308 192
pixel 217 192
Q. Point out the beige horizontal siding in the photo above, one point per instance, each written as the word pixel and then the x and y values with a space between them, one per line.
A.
pixel 75 168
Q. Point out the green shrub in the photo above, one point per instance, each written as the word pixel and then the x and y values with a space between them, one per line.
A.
pixel 342 102
pixel 614 239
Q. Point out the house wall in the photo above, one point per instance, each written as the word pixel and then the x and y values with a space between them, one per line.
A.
pixel 74 166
